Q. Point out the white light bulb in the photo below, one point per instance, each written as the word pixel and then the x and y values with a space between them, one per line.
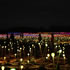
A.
pixel 10 42
pixel 59 46
pixel 63 51
pixel 32 45
pixel 15 55
pixel 4 42
pixel 63 48
pixel 28 61
pixel 60 51
pixel 30 49
pixel 48 50
pixel 3 67
pixel 2 46
pixel 4 58
pixel 52 54
pixel 46 45
pixel 21 60
pixel 5 46
pixel 20 48
pixel 56 46
pixel 63 55
pixel 28 54
pixel 21 66
pixel 8 49
pixel 38 43
pixel 48 55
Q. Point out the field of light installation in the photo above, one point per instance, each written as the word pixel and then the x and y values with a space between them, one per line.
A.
pixel 28 51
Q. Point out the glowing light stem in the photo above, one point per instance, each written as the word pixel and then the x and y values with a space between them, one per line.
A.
pixel 53 60
pixel 40 50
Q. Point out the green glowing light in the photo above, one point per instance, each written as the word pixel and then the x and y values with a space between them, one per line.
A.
pixel 12 69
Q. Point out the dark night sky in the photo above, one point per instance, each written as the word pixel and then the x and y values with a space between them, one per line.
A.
pixel 32 14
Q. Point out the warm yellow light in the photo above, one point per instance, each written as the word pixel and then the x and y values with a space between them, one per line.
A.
pixel 21 60
pixel 53 54
pixel 30 49
pixel 15 55
pixel 48 50
pixel 20 48
pixel 28 61
pixel 23 48
pixel 32 45
pixel 5 46
pixel 59 46
pixel 10 42
pixel 2 46
pixel 28 54
pixel 8 49
pixel 46 45
pixel 48 55
pixel 63 55
pixel 56 46
pixel 38 43
pixel 21 66
pixel 63 48
pixel 3 68
pixel 12 48
pixel 63 52
pixel 4 58
pixel 60 51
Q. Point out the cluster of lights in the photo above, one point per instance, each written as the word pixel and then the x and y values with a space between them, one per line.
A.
pixel 46 45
